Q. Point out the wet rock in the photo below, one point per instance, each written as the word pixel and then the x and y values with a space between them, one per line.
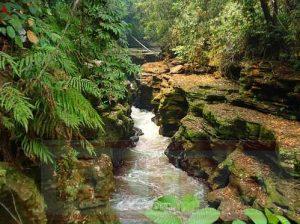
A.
pixel 173 106
pixel 138 131
pixel 79 193
pixel 227 200
pixel 29 201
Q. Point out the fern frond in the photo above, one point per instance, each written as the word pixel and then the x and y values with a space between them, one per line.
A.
pixel 84 86
pixel 35 148
pixel 87 146
pixel 5 60
pixel 7 123
pixel 75 110
pixel 32 60
pixel 13 101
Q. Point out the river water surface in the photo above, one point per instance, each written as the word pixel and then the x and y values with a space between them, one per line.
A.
pixel 147 174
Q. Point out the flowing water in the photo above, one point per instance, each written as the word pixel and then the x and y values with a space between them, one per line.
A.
pixel 147 174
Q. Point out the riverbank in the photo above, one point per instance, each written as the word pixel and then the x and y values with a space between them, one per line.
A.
pixel 241 134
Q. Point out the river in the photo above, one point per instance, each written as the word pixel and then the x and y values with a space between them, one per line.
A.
pixel 147 174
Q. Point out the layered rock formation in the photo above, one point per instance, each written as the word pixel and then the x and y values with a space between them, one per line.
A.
pixel 80 191
pixel 235 134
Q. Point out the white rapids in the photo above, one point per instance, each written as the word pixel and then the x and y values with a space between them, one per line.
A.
pixel 147 174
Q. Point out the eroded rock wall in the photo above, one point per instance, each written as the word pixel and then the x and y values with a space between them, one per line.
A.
pixel 242 138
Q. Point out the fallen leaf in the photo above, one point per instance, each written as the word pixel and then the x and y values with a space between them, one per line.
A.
pixel 32 37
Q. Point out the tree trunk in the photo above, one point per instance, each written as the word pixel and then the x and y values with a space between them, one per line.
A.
pixel 275 8
pixel 266 10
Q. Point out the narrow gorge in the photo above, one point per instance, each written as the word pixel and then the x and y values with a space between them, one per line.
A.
pixel 246 149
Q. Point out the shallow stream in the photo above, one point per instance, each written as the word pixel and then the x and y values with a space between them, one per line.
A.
pixel 147 174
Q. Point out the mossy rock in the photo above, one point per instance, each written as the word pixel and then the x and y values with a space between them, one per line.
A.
pixel 193 128
pixel 29 201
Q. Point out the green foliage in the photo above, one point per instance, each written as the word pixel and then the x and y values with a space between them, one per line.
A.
pixel 272 219
pixel 204 216
pixel 165 202
pixel 220 32
pixel 238 222
pixel 282 219
pixel 256 216
pixel 171 209
pixel 16 19
pixel 189 203
pixel 63 72
pixel 162 217
pixel 17 105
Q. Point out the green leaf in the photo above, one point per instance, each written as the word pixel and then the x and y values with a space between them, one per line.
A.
pixel 189 203
pixel 16 23
pixel 256 216
pixel 3 30
pixel 19 42
pixel 11 32
pixel 204 216
pixel 167 201
pixel 238 222
pixel 32 10
pixel 272 219
pixel 162 217
pixel 283 220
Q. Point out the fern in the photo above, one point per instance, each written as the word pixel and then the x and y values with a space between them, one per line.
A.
pixel 14 102
pixel 84 86
pixel 35 148
pixel 75 110
pixel 6 60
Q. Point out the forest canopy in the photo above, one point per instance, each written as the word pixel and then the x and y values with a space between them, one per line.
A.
pixel 222 32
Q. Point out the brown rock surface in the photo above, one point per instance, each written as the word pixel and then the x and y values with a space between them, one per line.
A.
pixel 245 147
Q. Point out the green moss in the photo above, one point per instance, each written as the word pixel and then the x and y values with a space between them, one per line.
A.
pixel 31 204
pixel 253 130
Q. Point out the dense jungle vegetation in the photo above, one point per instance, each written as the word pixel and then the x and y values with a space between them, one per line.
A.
pixel 60 63
pixel 222 33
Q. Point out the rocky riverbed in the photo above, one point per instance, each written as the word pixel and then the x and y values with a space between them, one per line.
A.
pixel 240 133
